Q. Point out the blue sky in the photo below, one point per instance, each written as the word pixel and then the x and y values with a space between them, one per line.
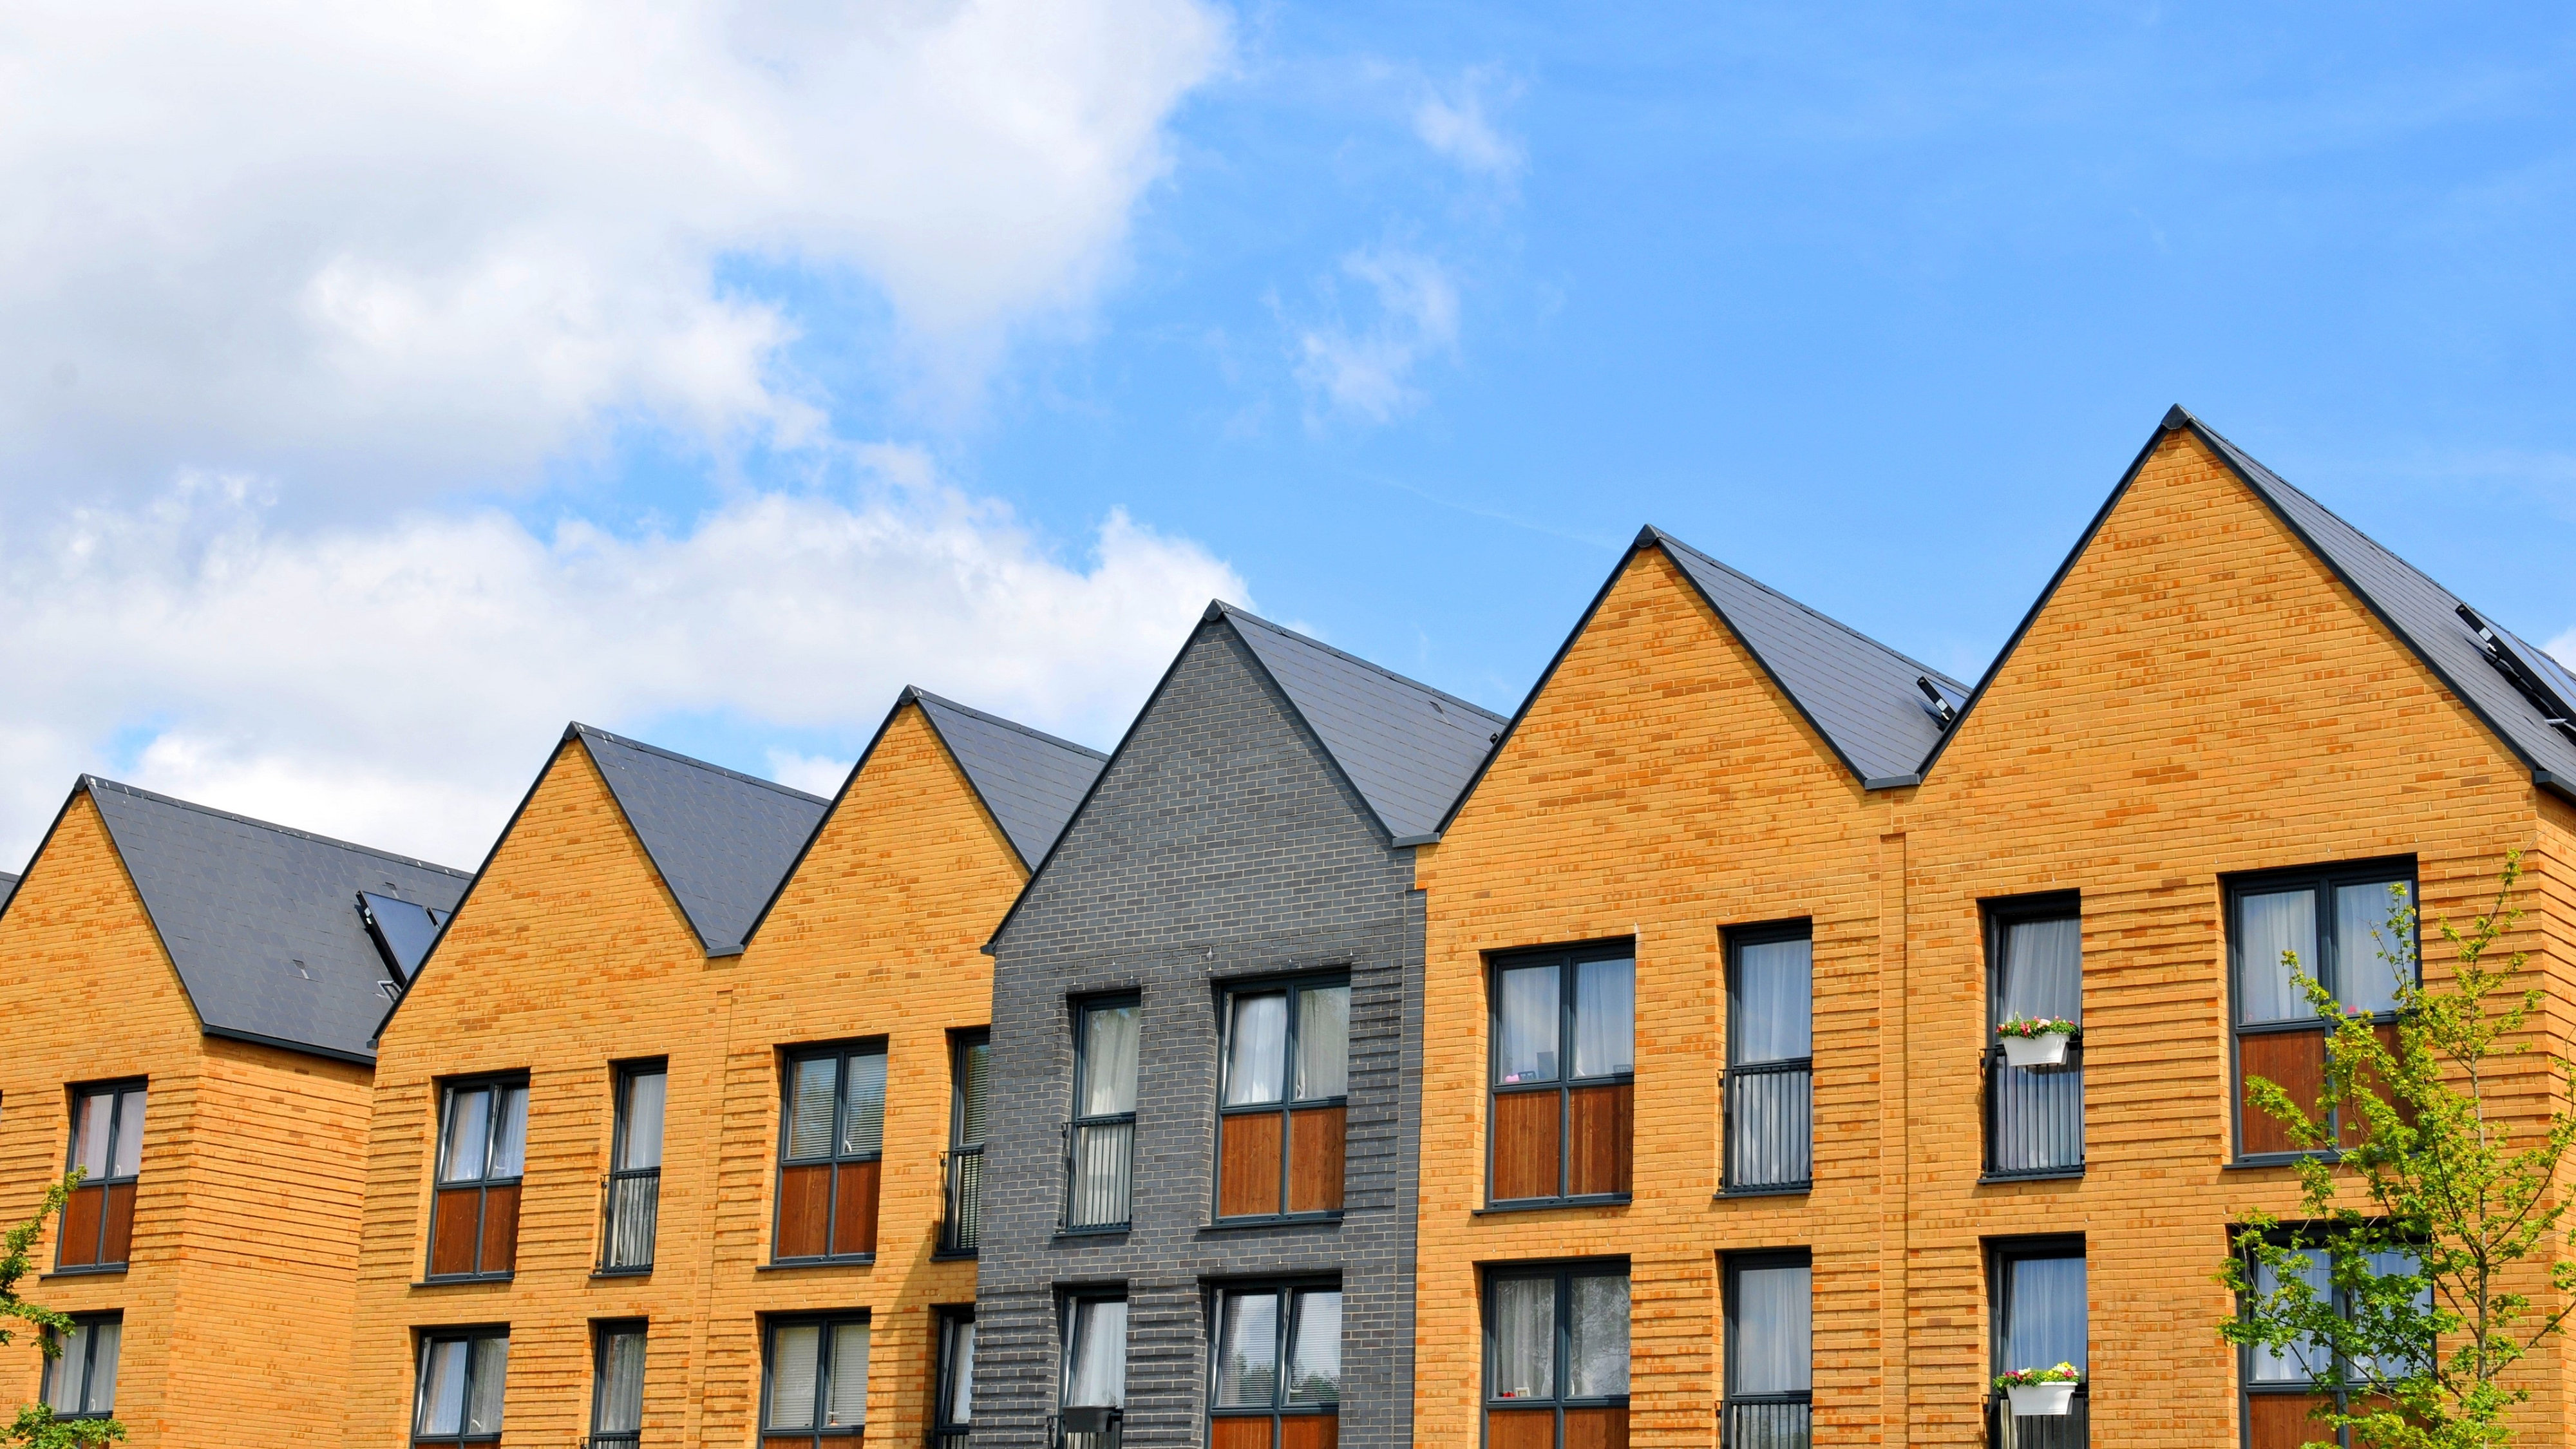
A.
pixel 1399 319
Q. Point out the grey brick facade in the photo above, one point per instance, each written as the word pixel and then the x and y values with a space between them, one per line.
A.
pixel 1222 843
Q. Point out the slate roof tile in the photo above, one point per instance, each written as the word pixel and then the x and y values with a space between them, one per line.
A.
pixel 1029 780
pixel 722 840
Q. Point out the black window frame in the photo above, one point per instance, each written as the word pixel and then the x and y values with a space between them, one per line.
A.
pixel 1562 1273
pixel 89 1364
pixel 448 1090
pixel 1567 961
pixel 825 1369
pixel 603 1334
pixel 2000 1254
pixel 2306 1235
pixel 427 1340
pixel 2325 878
pixel 1732 1266
pixel 1077 1122
pixel 961 1166
pixel 1764 933
pixel 115 1090
pixel 791 1059
pixel 947 1433
pixel 1294 986
pixel 1285 1337
pixel 2001 914
pixel 630 1189
pixel 1069 1303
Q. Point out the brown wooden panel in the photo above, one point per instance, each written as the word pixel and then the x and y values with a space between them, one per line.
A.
pixel 1521 1428
pixel 2354 1129
pixel 1525 1145
pixel 1601 1123
pixel 81 1213
pixel 2294 1059
pixel 854 1221
pixel 1315 1153
pixel 804 1211
pixel 1310 1431
pixel 2280 1421
pixel 1596 1428
pixel 455 1227
pixel 1247 1177
pixel 119 1214
pixel 1239 1433
pixel 500 1230
pixel 798 1441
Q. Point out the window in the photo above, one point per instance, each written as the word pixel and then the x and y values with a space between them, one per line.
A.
pixel 831 1146
pixel 2034 1115
pixel 633 1195
pixel 82 1383
pixel 1770 1351
pixel 1556 1358
pixel 970 1069
pixel 2335 922
pixel 617 1388
pixel 952 1409
pixel 1281 1110
pixel 2038 1321
pixel 482 1152
pixel 1095 1371
pixel 461 1374
pixel 1100 1141
pixel 815 1387
pixel 1278 1368
pixel 1564 1074
pixel 107 1147
pixel 2280 1388
pixel 1770 1059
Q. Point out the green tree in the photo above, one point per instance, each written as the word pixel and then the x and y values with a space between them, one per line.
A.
pixel 36 1427
pixel 2428 1222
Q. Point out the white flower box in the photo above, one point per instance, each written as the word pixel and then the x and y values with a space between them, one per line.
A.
pixel 2041 1401
pixel 2045 1050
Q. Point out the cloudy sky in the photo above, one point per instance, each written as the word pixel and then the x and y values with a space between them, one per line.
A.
pixel 385 386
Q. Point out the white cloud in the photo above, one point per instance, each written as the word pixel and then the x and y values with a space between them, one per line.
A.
pixel 1368 370
pixel 420 244
pixel 2564 648
pixel 1453 123
pixel 813 774
pixel 400 684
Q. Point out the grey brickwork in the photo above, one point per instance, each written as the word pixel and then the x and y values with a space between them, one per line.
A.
pixel 1221 843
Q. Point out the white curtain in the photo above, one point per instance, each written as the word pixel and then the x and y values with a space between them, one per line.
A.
pixel 441 1407
pixel 1774 1002
pixel 2274 924
pixel 1256 1049
pixel 849 1404
pixel 863 1105
pixel 795 1366
pixel 961 1372
pixel 2304 1358
pixel 809 1108
pixel 1774 1346
pixel 621 1390
pixel 129 1134
pixel 89 1146
pixel 1605 1018
pixel 1109 1061
pixel 1524 1365
pixel 1596 1352
pixel 1526 1051
pixel 976 1066
pixel 1098 1373
pixel 1247 1372
pixel 98 1395
pixel 1315 1358
pixel 1323 1043
pixel 2364 976
pixel 2046 1327
pixel 469 1135
pixel 510 1142
pixel 639 1136
pixel 2043 970
pixel 485 1379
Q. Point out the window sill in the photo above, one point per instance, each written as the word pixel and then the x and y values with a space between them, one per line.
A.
pixel 1109 1230
pixel 956 1255
pixel 2047 1174
pixel 86 1270
pixel 2261 1160
pixel 1276 1220
pixel 644 1271
pixel 1785 1189
pixel 1552 1204
pixel 454 1280
pixel 787 1265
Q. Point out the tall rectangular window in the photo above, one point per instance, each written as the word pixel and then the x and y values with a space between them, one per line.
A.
pixel 970 1073
pixel 633 1194
pixel 482 1154
pixel 1277 1366
pixel 1770 1059
pixel 107 1148
pixel 2281 1387
pixel 831 1147
pixel 1556 1357
pixel 617 1387
pixel 1100 1141
pixel 1282 1100
pixel 952 1406
pixel 2038 1318
pixel 462 1372
pixel 81 1384
pixel 1095 1371
pixel 814 1387
pixel 2333 922
pixel 1564 1070
pixel 1770 1351
pixel 2035 972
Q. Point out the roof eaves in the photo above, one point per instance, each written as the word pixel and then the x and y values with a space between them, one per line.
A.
pixel 364 1059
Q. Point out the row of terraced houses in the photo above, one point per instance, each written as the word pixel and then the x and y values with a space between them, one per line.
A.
pixel 1334 1062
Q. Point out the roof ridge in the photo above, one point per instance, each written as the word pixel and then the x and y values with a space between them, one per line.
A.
pixel 595 732
pixel 1234 611
pixel 1703 555
pixel 2257 465
pixel 988 717
pixel 102 782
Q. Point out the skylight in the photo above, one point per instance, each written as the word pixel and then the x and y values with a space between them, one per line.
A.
pixel 402 931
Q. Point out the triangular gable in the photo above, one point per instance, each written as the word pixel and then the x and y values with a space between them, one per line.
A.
pixel 1029 781
pixel 721 840
pixel 2424 616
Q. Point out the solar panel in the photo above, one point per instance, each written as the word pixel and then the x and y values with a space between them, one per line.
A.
pixel 402 930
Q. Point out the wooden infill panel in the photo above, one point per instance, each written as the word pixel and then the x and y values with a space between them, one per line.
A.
pixel 1596 1428
pixel 1316 1147
pixel 455 1229
pixel 1310 1431
pixel 1526 1138
pixel 2280 1421
pixel 1521 1428
pixel 1240 1433
pixel 2354 1129
pixel 854 1224
pixel 500 1230
pixel 1601 1126
pixel 2296 1060
pixel 118 1213
pixel 804 1211
pixel 1248 1165
pixel 81 1214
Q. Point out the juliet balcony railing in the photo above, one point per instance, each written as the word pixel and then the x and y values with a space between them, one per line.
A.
pixel 961 1228
pixel 1099 1173
pixel 630 1210
pixel 1770 1127
pixel 2035 1116
pixel 1094 1428
pixel 1767 1424
pixel 2007 1430
pixel 631 1439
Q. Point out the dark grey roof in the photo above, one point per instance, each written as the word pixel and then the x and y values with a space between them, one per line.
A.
pixel 722 840
pixel 1029 781
pixel 1862 696
pixel 1406 747
pixel 262 921
pixel 8 887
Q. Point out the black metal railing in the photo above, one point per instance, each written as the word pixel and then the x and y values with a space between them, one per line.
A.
pixel 630 1209
pixel 1767 1424
pixel 1099 1173
pixel 2007 1430
pixel 951 1438
pixel 1085 1428
pixel 2034 1116
pixel 962 1229
pixel 630 1439
pixel 1770 1126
